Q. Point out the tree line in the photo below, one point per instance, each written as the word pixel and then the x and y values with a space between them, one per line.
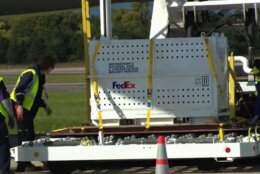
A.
pixel 26 37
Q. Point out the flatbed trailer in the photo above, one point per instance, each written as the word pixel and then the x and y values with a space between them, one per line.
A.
pixel 227 151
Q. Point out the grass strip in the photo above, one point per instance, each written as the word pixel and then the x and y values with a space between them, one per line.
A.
pixel 68 110
pixel 57 78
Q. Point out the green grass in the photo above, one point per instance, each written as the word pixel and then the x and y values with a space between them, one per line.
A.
pixel 74 78
pixel 58 65
pixel 55 78
pixel 10 79
pixel 68 110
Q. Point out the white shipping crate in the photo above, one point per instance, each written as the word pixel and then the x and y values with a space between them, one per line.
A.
pixel 183 81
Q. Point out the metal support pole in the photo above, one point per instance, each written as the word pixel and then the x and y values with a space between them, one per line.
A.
pixel 231 84
pixel 256 14
pixel 86 36
pixel 101 137
pixel 102 19
pixel 221 133
pixel 108 20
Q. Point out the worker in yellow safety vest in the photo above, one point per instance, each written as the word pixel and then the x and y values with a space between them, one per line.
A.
pixel 6 110
pixel 256 73
pixel 27 96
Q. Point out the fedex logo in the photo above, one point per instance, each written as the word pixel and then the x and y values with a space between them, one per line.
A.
pixel 125 85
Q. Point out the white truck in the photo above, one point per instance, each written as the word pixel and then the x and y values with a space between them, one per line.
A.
pixel 185 87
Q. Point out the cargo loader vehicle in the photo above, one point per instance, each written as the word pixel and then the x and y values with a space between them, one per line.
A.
pixel 182 82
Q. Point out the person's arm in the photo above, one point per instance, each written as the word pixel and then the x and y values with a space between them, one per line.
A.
pixel 6 102
pixel 42 102
pixel 47 109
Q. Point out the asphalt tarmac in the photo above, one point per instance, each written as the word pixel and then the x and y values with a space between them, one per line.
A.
pixel 244 166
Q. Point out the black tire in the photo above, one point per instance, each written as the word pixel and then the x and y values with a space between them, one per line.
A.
pixel 61 167
pixel 207 164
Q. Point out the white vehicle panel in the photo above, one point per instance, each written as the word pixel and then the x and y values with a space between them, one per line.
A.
pixel 136 152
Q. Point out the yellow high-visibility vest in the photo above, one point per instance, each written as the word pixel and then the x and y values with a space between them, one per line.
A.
pixel 2 109
pixel 256 72
pixel 31 92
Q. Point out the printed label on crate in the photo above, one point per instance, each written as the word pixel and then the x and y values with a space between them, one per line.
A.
pixel 123 67
pixel 124 85
pixel 205 80
pixel 202 81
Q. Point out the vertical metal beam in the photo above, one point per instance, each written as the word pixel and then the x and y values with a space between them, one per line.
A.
pixel 102 10
pixel 108 20
pixel 195 14
pixel 231 85
pixel 256 14
pixel 244 12
pixel 86 36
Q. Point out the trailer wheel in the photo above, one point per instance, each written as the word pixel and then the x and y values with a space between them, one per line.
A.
pixel 207 164
pixel 61 167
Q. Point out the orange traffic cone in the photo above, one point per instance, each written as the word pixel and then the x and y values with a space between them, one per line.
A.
pixel 162 166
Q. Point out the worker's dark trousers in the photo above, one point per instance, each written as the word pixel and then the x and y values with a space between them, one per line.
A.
pixel 4 149
pixel 257 106
pixel 25 129
pixel 25 132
